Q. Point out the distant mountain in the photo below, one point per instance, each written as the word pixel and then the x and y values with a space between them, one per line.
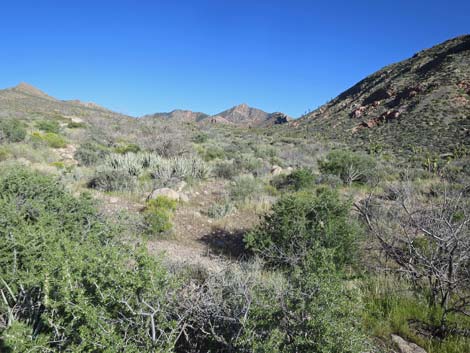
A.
pixel 422 101
pixel 178 115
pixel 240 115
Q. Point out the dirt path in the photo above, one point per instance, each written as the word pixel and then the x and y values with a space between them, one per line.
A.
pixel 196 239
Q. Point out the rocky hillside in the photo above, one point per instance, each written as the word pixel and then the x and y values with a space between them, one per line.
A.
pixel 422 102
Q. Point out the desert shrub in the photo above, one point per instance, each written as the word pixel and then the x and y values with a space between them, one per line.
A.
pixel 211 152
pixel 158 214
pixel 12 130
pixel 200 138
pixel 245 309
pixel 331 180
pixel 301 226
pixel 50 139
pixel 312 313
pixel 76 125
pixel 67 284
pixel 111 179
pixel 245 187
pixel 179 168
pixel 247 163
pixel 226 170
pixel 130 162
pixel 349 166
pixel 130 148
pixel 299 179
pixel 90 153
pixel 220 210
pixel 52 126
pixel 4 154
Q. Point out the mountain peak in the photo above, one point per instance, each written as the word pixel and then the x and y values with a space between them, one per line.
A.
pixel 26 88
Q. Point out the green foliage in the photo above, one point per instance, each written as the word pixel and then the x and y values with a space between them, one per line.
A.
pixel 245 187
pixel 90 153
pixel 200 138
pixel 50 139
pixel 220 210
pixel 302 178
pixel 110 179
pixel 301 226
pixel 52 126
pixel 211 152
pixel 392 305
pixel 66 284
pixel 4 154
pixel 130 148
pixel 158 214
pixel 12 130
pixel 349 166
pixel 76 125
pixel 314 313
pixel 226 170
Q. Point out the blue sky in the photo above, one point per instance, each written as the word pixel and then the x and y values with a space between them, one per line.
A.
pixel 140 57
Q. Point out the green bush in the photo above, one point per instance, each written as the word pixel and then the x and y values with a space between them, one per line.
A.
pixel 220 210
pixel 245 187
pixel 67 284
pixel 299 179
pixel 226 170
pixel 349 166
pixel 4 154
pixel 52 126
pixel 301 226
pixel 130 148
pixel 12 130
pixel 76 125
pixel 212 152
pixel 50 139
pixel 158 214
pixel 312 313
pixel 89 153
pixel 110 179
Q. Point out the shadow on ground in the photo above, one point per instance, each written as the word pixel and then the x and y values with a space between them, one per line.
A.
pixel 226 243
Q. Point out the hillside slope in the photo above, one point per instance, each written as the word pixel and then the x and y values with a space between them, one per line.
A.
pixel 26 101
pixel 420 102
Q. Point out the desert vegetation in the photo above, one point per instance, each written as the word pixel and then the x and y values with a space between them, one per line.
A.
pixel 154 234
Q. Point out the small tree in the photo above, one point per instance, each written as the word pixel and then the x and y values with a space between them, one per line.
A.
pixel 429 242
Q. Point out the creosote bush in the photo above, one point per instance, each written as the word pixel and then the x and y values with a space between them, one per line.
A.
pixel 50 139
pixel 67 285
pixel 52 126
pixel 301 225
pixel 349 166
pixel 301 178
pixel 90 153
pixel 12 130
pixel 158 214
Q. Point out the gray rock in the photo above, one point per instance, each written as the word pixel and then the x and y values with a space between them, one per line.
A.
pixel 405 346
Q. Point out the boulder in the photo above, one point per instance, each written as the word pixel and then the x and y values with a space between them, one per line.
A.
pixel 405 346
pixel 276 170
pixel 167 192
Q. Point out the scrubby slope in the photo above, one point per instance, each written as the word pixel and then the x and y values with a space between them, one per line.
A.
pixel 423 101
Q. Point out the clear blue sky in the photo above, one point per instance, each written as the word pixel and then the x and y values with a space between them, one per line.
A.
pixel 140 57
